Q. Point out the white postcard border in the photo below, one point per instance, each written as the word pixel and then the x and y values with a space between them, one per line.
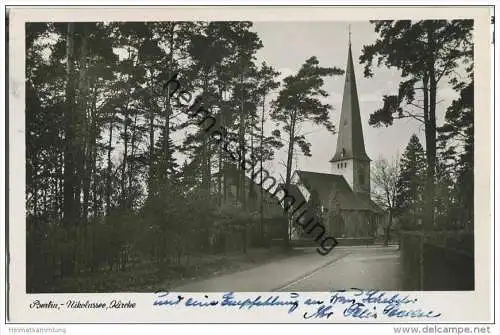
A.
pixel 462 307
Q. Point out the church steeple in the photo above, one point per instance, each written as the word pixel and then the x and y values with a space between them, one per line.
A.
pixel 350 142
pixel 350 159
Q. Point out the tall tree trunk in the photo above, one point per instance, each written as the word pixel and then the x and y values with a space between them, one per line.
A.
pixel 34 182
pixel 70 205
pixel 82 124
pixel 289 163
pixel 109 167
pixel 91 143
pixel 430 133
pixel 388 229
pixel 168 106
pixel 151 151
pixel 261 168
pixel 123 179
pixel 426 202
pixel 241 135
pixel 224 157
pixel 132 153
pixel 206 171
pixel 221 161
pixel 251 189
pixel 241 172
pixel 221 150
pixel 95 202
pixel 60 185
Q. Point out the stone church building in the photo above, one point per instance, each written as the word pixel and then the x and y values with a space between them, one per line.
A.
pixel 343 195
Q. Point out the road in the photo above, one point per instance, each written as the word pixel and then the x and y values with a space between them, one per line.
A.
pixel 364 267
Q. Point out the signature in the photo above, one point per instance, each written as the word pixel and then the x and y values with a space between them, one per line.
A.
pixel 355 303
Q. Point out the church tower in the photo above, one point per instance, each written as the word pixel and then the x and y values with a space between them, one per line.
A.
pixel 350 159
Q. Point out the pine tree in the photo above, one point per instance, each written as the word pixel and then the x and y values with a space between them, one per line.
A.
pixel 426 52
pixel 411 182
pixel 299 101
pixel 457 135
pixel 266 78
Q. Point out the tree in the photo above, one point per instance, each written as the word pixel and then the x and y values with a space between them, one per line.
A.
pixel 266 78
pixel 425 52
pixel 410 185
pixel 385 189
pixel 457 135
pixel 102 176
pixel 70 199
pixel 298 102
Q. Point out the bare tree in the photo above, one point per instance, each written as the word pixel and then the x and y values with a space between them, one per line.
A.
pixel 385 179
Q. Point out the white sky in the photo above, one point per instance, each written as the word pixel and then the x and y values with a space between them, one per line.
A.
pixel 288 44
pixel 286 47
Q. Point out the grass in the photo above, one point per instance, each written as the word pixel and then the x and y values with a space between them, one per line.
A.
pixel 145 276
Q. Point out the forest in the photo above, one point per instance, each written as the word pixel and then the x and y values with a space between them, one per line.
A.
pixel 124 190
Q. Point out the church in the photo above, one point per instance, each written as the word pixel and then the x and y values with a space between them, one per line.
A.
pixel 343 195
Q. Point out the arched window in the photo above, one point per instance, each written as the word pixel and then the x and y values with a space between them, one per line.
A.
pixel 343 153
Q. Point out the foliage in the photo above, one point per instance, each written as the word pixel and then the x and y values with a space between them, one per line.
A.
pixel 109 185
pixel 425 52
pixel 410 185
pixel 384 179
pixel 300 101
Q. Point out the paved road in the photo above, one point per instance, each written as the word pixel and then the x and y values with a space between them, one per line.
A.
pixel 365 267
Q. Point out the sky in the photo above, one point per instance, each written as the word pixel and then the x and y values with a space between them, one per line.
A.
pixel 286 47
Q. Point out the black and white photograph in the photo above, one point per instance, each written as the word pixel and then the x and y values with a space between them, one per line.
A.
pixel 246 155
pixel 131 185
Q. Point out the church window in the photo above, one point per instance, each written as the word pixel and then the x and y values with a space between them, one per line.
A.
pixel 343 153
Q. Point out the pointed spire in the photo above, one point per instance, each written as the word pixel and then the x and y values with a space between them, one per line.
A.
pixel 350 142
pixel 349 36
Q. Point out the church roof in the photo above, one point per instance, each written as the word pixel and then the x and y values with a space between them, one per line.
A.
pixel 324 184
pixel 350 142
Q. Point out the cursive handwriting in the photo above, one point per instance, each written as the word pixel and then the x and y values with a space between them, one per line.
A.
pixel 379 297
pixel 356 303
pixel 163 299
pixel 360 311
pixel 322 312
pixel 395 311
pixel 259 301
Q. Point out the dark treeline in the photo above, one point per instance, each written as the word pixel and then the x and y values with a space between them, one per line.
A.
pixel 104 187
pixel 434 186
pixel 117 174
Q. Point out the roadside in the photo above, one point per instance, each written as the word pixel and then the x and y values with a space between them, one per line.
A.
pixel 151 277
pixel 365 267
pixel 270 276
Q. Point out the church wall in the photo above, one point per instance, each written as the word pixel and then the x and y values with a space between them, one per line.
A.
pixel 351 224
pixel 305 192
pixel 344 168
pixel 361 176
